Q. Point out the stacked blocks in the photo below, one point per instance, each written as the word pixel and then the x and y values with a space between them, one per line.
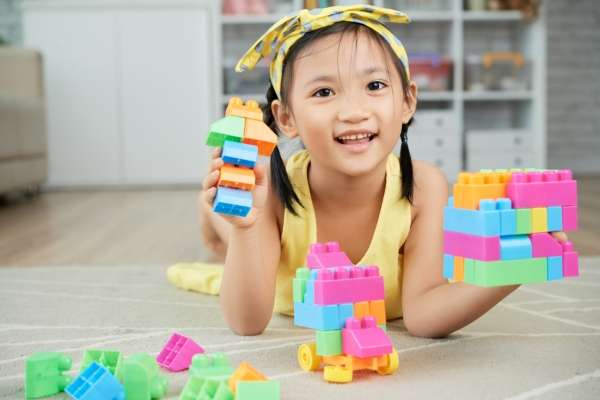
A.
pixel 345 304
pixel 46 374
pixel 96 383
pixel 243 136
pixel 178 352
pixel 497 227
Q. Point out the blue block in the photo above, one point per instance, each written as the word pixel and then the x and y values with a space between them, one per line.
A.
pixel 555 268
pixel 309 295
pixel 232 201
pixel 95 383
pixel 482 222
pixel 555 221
pixel 322 318
pixel 241 154
pixel 508 218
pixel 448 266
pixel 515 247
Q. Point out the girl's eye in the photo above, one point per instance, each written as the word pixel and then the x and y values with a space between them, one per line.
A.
pixel 325 92
pixel 376 85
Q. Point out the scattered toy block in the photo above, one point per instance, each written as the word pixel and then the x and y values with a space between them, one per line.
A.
pixel 477 247
pixel 258 390
pixel 250 109
pixel 232 202
pixel 141 378
pixel 515 247
pixel 245 372
pixel 110 359
pixel 542 189
pixel 178 352
pixel 544 245
pixel 46 374
pixel 211 366
pixel 206 388
pixel 225 129
pixel 96 383
pixel 555 223
pixel 570 260
pixel 539 219
pixel 348 285
pixel 244 155
pixel 236 177
pixel 569 218
pixel 363 338
pixel 329 343
pixel 322 255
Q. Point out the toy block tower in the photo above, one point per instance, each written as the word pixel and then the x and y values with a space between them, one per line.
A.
pixel 243 136
pixel 498 225
pixel 345 304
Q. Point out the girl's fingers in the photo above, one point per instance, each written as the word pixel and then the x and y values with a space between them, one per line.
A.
pixel 209 195
pixel 210 180
pixel 216 153
pixel 560 236
pixel 216 163
pixel 260 174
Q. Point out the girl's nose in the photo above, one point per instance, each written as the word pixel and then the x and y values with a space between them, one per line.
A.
pixel 353 110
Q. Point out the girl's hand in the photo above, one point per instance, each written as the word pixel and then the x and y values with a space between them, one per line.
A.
pixel 560 236
pixel 259 194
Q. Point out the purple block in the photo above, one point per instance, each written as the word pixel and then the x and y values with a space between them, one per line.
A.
pixel 484 248
pixel 570 260
pixel 542 189
pixel 569 216
pixel 544 245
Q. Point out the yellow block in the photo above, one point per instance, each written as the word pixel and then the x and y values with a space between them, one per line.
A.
pixel 539 217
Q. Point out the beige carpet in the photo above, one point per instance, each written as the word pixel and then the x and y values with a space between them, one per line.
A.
pixel 541 342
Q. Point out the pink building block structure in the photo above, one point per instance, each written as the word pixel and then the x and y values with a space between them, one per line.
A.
pixel 484 248
pixel 326 255
pixel 569 215
pixel 178 352
pixel 363 338
pixel 542 189
pixel 348 285
pixel 544 245
pixel 570 260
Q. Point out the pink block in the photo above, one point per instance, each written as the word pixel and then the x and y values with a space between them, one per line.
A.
pixel 569 215
pixel 348 285
pixel 485 248
pixel 570 260
pixel 363 338
pixel 542 189
pixel 326 255
pixel 544 245
pixel 178 352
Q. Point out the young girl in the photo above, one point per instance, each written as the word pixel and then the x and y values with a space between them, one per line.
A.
pixel 340 82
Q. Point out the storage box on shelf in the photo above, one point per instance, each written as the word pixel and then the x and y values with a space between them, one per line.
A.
pixel 507 148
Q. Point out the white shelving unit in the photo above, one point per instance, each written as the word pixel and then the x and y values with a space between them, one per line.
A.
pixel 452 32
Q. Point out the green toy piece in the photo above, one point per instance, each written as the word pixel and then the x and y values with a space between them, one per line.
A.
pixel 257 390
pixel 506 272
pixel 110 359
pixel 299 284
pixel 141 378
pixel 524 225
pixel 228 128
pixel 213 388
pixel 329 343
pixel 45 374
pixel 216 366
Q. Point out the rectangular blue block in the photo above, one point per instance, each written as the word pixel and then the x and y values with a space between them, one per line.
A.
pixel 448 266
pixel 322 318
pixel 95 383
pixel 309 295
pixel 555 221
pixel 555 268
pixel 232 201
pixel 508 222
pixel 241 154
pixel 515 247
pixel 482 222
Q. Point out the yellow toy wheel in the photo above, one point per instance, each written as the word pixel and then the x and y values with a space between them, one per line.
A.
pixel 337 374
pixel 308 358
pixel 391 365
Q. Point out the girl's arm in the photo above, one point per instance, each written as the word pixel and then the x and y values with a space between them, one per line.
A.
pixel 432 307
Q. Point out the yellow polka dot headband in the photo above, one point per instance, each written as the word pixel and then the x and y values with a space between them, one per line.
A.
pixel 284 33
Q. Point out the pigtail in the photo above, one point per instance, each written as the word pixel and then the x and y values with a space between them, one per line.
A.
pixel 406 167
pixel 279 177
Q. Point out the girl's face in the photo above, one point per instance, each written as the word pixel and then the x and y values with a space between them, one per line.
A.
pixel 342 104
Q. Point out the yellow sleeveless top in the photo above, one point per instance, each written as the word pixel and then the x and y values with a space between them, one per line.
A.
pixel 298 232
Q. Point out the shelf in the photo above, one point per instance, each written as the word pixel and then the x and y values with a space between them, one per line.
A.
pixel 430 16
pixel 487 16
pixel 250 19
pixel 497 96
pixel 435 96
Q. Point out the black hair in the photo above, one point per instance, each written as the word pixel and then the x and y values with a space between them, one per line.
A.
pixel 279 178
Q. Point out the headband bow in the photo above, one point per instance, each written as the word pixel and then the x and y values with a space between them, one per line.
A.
pixel 284 33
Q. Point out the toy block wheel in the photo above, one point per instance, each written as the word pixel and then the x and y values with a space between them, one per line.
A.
pixel 337 374
pixel 308 358
pixel 391 365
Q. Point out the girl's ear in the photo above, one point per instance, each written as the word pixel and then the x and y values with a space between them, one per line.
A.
pixel 284 119
pixel 411 103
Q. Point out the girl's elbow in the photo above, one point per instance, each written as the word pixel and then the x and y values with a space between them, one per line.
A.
pixel 421 327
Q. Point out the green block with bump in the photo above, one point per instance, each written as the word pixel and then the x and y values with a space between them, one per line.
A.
pixel 228 128
pixel 524 221
pixel 329 343
pixel 110 359
pixel 506 272
pixel 199 388
pixel 299 284
pixel 257 390
pixel 215 365
pixel 141 378
pixel 46 374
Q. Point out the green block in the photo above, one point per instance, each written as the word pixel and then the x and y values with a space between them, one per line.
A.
pixel 329 343
pixel 228 128
pixel 215 365
pixel 46 374
pixel 506 272
pixel 112 360
pixel 524 221
pixel 299 284
pixel 141 378
pixel 257 390
pixel 383 326
pixel 198 388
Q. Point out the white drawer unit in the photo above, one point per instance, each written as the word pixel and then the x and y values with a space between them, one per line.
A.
pixel 435 122
pixel 499 149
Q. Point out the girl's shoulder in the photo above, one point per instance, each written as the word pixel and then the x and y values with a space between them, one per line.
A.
pixel 430 187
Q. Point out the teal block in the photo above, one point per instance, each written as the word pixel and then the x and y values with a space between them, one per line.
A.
pixel 555 268
pixel 482 222
pixel 232 201
pixel 228 128
pixel 448 266
pixel 508 218
pixel 555 219
pixel 241 154
pixel 329 343
pixel 322 318
pixel 515 247
pixel 257 390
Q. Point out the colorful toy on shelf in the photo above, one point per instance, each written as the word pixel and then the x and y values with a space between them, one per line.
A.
pixel 497 227
pixel 345 304
pixel 178 352
pixel 243 136
pixel 141 378
pixel 95 383
pixel 46 374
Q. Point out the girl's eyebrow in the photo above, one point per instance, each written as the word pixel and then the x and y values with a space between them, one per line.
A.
pixel 330 78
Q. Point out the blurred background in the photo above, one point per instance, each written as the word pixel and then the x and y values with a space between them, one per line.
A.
pixel 104 107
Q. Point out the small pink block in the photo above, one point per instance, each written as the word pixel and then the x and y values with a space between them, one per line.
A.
pixel 544 245
pixel 542 189
pixel 326 255
pixel 569 215
pixel 178 352
pixel 570 260
pixel 363 338
pixel 485 248
pixel 348 285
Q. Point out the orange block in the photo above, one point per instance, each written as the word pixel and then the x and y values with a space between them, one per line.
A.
pixel 259 134
pixel 249 110
pixel 245 372
pixel 377 309
pixel 361 309
pixel 472 187
pixel 236 177
pixel 459 269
